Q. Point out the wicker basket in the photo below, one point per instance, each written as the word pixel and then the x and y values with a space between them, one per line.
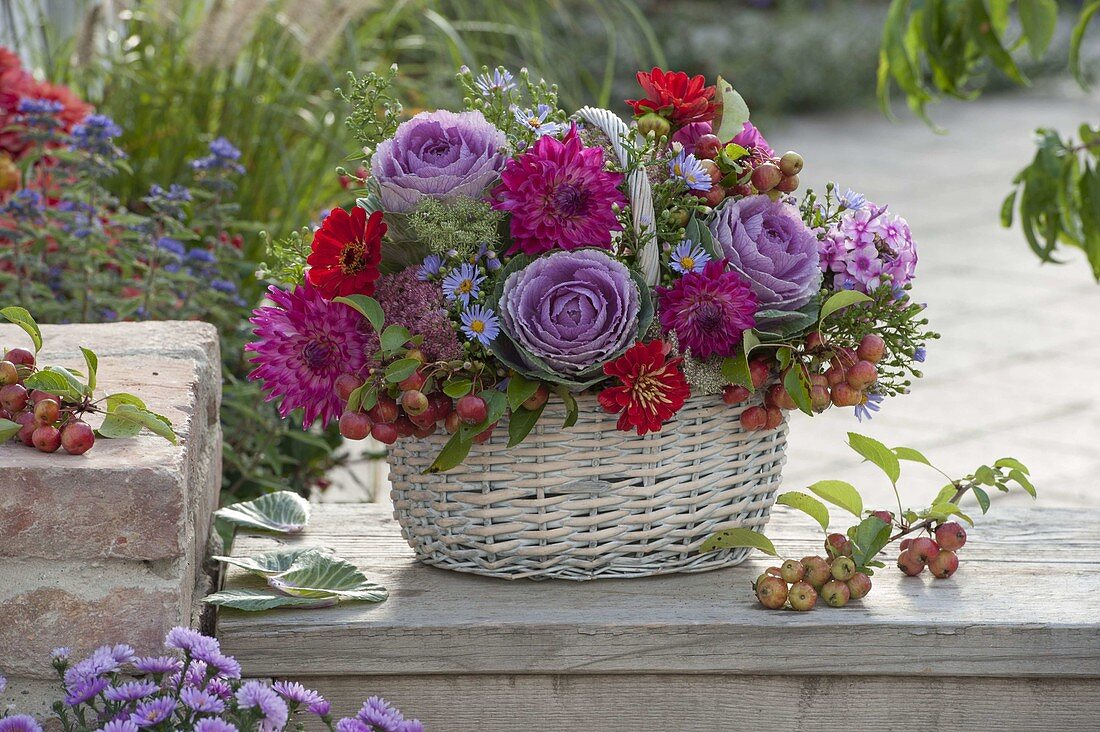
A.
pixel 590 501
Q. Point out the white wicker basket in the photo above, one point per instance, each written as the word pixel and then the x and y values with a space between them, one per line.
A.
pixel 590 501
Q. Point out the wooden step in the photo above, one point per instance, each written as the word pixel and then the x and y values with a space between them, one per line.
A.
pixel 1012 641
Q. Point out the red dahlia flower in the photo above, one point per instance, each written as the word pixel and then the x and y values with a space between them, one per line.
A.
pixel 346 252
pixel 674 96
pixel 651 391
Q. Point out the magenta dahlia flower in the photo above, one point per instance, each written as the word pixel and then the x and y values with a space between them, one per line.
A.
pixel 708 311
pixel 559 196
pixel 303 344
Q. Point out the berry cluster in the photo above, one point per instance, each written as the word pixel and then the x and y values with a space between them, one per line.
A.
pixel 846 382
pixel 732 173
pixel 46 421
pixel 835 579
pixel 938 554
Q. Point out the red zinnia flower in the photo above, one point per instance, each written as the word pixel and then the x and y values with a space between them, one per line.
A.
pixel 652 389
pixel 346 252
pixel 676 97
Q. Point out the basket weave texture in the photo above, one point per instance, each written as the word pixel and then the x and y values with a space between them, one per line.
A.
pixel 590 501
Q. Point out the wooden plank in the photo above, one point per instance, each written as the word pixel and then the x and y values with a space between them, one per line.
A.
pixel 629 703
pixel 998 613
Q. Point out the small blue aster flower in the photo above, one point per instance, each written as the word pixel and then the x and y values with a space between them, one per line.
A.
pixel 536 120
pixel 851 200
pixel 687 168
pixel 480 324
pixel 430 268
pixel 689 257
pixel 920 354
pixel 869 406
pixel 96 135
pixel 500 81
pixel 463 283
pixel 492 261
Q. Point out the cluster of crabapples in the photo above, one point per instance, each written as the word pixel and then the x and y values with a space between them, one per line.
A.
pixel 747 176
pixel 413 408
pixel 46 422
pixel 800 583
pixel 844 383
pixel 938 554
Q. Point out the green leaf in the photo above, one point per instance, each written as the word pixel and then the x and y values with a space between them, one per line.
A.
pixel 115 426
pixel 453 453
pixel 520 389
pixel 983 498
pixel 797 384
pixel 322 575
pixel 735 369
pixel 870 537
pixel 732 112
pixel 839 493
pixel 257 600
pixel 394 338
pixel 401 369
pixel 985 475
pixel 1038 19
pixel 817 510
pixel 59 382
pixel 269 563
pixel 913 456
pixel 841 300
pixel 357 398
pixel 93 366
pixel 284 512
pixel 22 318
pixel 948 509
pixel 877 453
pixel 571 410
pixel 1012 463
pixel 368 307
pixel 1076 39
pixel 457 388
pixel 946 494
pixel 521 422
pixel 155 423
pixel 738 538
pixel 8 429
pixel 1023 480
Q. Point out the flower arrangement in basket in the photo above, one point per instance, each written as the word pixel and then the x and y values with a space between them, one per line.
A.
pixel 581 336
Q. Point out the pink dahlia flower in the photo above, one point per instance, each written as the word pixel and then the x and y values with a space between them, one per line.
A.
pixel 559 196
pixel 709 311
pixel 303 344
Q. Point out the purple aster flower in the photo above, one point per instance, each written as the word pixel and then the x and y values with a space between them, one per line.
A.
pixel 378 713
pixel 570 312
pixel 480 324
pixel 123 653
pixel 463 283
pixel 536 120
pixel 769 244
pixel 202 701
pixel 119 725
pixel 303 343
pixel 157 665
pixel 430 268
pixel 19 723
pixel 153 712
pixel 84 690
pixel 419 306
pixel 351 724
pixel 296 694
pixel 689 257
pixel 709 311
pixel 559 196
pixel 189 641
pixel 437 155
pixel 871 403
pixel 686 168
pixel 260 696
pixel 213 724
pixel 498 81
pixel 131 691
pixel 96 135
pixel 224 666
pixel 61 654
pixel 195 675
pixel 851 200
pixel 412 725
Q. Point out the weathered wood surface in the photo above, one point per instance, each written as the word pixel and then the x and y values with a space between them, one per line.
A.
pixel 1021 605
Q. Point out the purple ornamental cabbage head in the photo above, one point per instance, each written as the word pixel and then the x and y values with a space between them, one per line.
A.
pixel 767 242
pixel 570 312
pixel 437 154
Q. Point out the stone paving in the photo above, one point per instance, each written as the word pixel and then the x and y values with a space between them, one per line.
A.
pixel 1015 372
